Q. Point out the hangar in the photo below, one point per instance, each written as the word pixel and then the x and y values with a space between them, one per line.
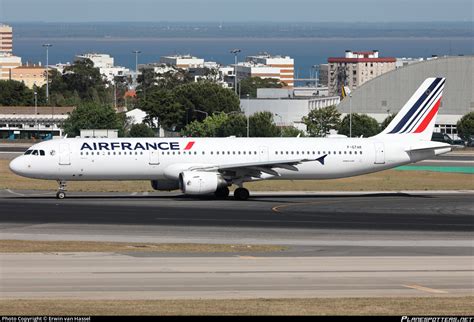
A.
pixel 387 93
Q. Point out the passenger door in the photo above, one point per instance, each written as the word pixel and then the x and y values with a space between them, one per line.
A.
pixel 263 153
pixel 379 153
pixel 64 154
pixel 154 157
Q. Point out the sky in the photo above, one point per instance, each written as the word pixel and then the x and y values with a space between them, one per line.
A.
pixel 236 10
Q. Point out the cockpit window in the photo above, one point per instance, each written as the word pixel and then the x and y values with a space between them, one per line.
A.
pixel 41 152
pixel 35 152
pixel 28 152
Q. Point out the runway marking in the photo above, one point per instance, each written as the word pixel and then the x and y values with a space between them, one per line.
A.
pixel 278 207
pixel 247 257
pixel 145 193
pixel 425 289
pixel 15 193
pixel 134 194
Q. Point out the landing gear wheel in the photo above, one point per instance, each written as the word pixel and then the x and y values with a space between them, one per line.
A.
pixel 241 194
pixel 222 193
pixel 60 195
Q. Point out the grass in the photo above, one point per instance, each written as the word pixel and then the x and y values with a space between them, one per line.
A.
pixel 384 180
pixel 432 306
pixel 27 246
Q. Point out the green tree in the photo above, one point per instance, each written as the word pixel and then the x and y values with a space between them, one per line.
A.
pixel 14 93
pixel 206 96
pixel 387 121
pixel 162 107
pixel 141 130
pixel 93 116
pixel 320 121
pixel 362 125
pixel 251 84
pixel 465 126
pixel 218 125
pixel 262 125
pixel 81 78
pixel 291 131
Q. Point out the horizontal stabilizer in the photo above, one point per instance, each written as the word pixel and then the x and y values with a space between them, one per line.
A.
pixel 428 145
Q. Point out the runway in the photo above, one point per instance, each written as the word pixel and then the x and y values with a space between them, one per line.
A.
pixel 338 245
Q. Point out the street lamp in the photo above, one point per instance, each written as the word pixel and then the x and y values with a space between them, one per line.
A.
pixel 350 115
pixel 235 52
pixel 36 114
pixel 248 115
pixel 136 52
pixel 47 71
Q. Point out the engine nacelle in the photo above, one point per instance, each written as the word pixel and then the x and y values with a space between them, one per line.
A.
pixel 167 185
pixel 200 182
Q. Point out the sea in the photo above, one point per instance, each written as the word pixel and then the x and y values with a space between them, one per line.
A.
pixel 309 44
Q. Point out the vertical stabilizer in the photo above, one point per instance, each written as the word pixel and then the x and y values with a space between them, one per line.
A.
pixel 418 115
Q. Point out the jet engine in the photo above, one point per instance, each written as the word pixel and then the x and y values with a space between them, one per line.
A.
pixel 167 185
pixel 200 182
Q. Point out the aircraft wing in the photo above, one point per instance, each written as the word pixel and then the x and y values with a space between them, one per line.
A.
pixel 255 169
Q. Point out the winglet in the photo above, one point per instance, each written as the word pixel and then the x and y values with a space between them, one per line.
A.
pixel 321 159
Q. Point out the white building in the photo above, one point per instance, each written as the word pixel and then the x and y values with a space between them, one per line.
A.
pixel 105 64
pixel 182 61
pixel 287 112
pixel 7 63
pixel 251 69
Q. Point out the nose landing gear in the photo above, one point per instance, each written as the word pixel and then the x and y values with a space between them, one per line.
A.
pixel 61 194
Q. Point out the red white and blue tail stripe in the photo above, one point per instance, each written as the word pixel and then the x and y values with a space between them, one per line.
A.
pixel 419 113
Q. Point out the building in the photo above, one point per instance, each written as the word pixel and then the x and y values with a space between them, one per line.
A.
pixel 105 64
pixel 389 92
pixel 288 111
pixel 182 61
pixel 23 122
pixel 6 39
pixel 323 75
pixel 7 63
pixel 250 69
pixel 284 65
pixel 356 68
pixel 30 75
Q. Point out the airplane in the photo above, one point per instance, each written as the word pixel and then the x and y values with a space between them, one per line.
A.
pixel 200 166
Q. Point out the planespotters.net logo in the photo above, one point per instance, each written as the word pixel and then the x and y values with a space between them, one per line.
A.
pixel 437 319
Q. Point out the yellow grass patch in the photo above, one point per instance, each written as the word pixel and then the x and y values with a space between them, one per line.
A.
pixel 432 306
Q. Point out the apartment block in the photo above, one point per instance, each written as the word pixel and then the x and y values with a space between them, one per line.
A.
pixel 284 64
pixel 6 39
pixel 7 63
pixel 356 68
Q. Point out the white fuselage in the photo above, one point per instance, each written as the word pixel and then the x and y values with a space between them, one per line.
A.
pixel 166 158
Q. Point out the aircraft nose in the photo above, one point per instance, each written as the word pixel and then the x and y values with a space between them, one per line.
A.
pixel 16 166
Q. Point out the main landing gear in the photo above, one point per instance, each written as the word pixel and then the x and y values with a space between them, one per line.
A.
pixel 222 193
pixel 61 194
pixel 241 194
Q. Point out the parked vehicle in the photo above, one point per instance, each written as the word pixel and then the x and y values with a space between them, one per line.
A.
pixel 441 137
